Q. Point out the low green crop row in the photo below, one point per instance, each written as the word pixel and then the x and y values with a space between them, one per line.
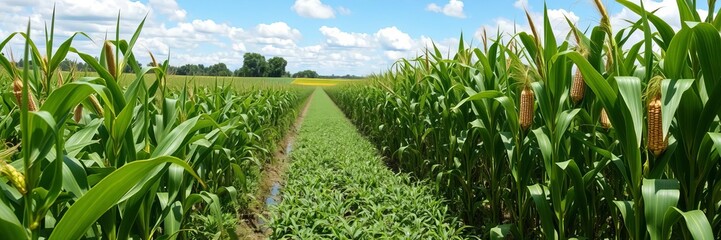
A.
pixel 595 137
pixel 338 188
pixel 87 157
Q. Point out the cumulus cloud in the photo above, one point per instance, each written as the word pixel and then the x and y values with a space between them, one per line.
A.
pixel 336 37
pixel 454 8
pixel 239 47
pixel 391 38
pixel 313 9
pixel 278 30
pixel 169 8
pixel 166 30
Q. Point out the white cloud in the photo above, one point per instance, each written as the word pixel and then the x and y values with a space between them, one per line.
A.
pixel 278 30
pixel 195 41
pixel 454 8
pixel 336 37
pixel 239 47
pixel 521 4
pixel 556 17
pixel 313 9
pixel 393 39
pixel 208 26
pixel 169 8
pixel 344 11
pixel 276 42
pixel 434 8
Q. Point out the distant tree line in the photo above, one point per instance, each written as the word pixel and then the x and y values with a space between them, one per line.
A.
pixel 254 65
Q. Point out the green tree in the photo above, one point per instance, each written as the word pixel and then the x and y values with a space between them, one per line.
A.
pixel 306 74
pixel 254 65
pixel 189 69
pixel 276 67
pixel 219 69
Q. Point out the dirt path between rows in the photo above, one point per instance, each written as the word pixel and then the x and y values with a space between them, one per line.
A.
pixel 252 225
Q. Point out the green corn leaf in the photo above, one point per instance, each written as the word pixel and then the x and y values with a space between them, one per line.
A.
pixel 630 89
pixel 696 223
pixel 671 93
pixel 677 54
pixel 104 195
pixel 659 196
pixel 501 232
pixel 544 210
pixel 10 225
pixel 709 55
pixel 62 52
pixel 580 200
pixel 546 148
pixel 628 214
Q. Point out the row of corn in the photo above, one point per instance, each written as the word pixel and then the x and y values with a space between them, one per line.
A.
pixel 86 157
pixel 594 136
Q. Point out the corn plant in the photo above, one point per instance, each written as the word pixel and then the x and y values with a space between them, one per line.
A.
pixel 89 157
pixel 594 136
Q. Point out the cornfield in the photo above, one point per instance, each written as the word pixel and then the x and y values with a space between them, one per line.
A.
pixel 86 157
pixel 523 146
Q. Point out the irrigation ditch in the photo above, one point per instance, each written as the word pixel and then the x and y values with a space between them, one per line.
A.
pixel 252 221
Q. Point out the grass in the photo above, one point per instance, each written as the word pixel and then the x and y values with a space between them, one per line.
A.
pixel 338 187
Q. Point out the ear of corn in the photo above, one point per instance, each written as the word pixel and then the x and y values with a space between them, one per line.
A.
pixel 578 87
pixel 96 105
pixel 78 113
pixel 60 78
pixel 110 59
pixel 16 178
pixel 605 122
pixel 18 92
pixel 526 108
pixel 657 142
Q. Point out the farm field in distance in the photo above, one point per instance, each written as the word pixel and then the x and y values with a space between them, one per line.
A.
pixel 321 82
pixel 177 81
pixel 580 120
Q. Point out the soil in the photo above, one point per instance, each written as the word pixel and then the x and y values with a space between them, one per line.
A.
pixel 252 223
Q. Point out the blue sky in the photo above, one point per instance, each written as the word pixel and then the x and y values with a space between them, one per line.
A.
pixel 330 36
